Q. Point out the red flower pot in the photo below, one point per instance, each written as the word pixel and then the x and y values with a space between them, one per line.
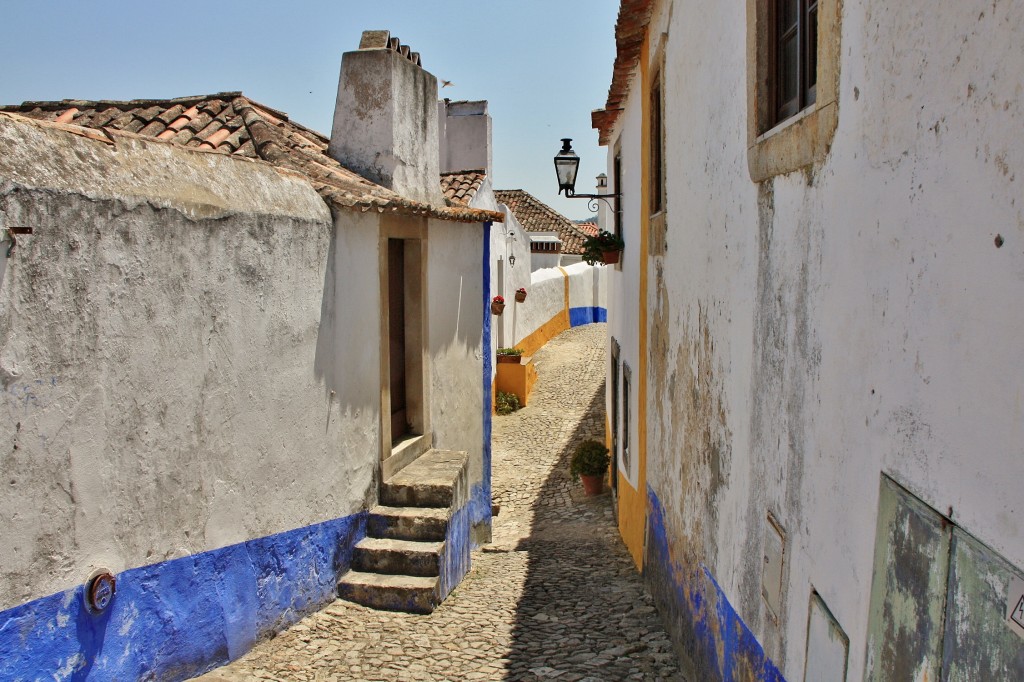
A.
pixel 520 296
pixel 497 308
pixel 610 257
pixel 592 485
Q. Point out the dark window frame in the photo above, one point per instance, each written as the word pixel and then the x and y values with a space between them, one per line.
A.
pixel 615 402
pixel 627 381
pixel 657 147
pixel 617 189
pixel 793 73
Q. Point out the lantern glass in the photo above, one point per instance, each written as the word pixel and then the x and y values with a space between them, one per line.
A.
pixel 567 164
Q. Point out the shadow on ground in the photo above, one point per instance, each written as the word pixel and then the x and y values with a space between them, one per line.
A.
pixel 584 613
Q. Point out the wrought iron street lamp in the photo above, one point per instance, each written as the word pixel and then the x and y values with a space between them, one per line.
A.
pixel 567 165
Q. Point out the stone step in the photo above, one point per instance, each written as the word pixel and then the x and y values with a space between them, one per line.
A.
pixel 397 557
pixel 424 524
pixel 389 592
pixel 435 479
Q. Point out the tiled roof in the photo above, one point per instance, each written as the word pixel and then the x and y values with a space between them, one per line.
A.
pixel 630 29
pixel 536 216
pixel 589 229
pixel 231 123
pixel 459 188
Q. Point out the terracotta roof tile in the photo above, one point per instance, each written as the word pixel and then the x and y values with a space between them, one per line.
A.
pixel 589 229
pixel 67 116
pixel 230 123
pixel 536 216
pixel 630 29
pixel 153 129
pixel 460 188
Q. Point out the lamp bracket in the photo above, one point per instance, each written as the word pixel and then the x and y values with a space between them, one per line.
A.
pixel 592 204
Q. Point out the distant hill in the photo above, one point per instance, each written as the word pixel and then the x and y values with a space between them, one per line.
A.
pixel 591 219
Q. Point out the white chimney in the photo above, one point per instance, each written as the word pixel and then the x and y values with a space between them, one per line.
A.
pixel 465 136
pixel 385 118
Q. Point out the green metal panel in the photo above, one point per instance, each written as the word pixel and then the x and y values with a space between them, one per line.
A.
pixel 908 589
pixel 980 644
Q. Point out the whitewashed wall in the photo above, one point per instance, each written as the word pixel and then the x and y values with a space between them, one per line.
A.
pixel 167 383
pixel 455 281
pixel 834 324
pixel 546 297
pixel 587 285
pixel 624 282
pixel 542 260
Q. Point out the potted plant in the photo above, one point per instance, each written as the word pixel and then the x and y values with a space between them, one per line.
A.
pixel 589 464
pixel 509 354
pixel 520 294
pixel 497 305
pixel 605 248
pixel 507 403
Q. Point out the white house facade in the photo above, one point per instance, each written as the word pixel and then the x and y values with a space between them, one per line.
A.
pixel 816 312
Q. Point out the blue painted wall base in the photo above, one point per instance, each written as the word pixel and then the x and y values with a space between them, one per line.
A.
pixel 177 619
pixel 480 495
pixel 697 613
pixel 587 315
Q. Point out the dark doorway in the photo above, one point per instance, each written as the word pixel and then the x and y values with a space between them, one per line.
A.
pixel 396 327
pixel 615 418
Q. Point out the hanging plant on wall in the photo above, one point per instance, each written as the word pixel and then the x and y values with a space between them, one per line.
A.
pixel 520 294
pixel 603 248
pixel 497 305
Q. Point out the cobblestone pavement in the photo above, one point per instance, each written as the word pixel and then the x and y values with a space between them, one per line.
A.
pixel 555 596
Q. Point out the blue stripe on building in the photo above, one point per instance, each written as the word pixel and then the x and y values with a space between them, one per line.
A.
pixel 480 494
pixel 179 618
pixel 587 315
pixel 697 613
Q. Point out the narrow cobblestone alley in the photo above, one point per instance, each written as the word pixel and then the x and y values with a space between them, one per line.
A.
pixel 555 596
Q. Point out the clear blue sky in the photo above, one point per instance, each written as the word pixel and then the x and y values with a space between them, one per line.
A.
pixel 542 64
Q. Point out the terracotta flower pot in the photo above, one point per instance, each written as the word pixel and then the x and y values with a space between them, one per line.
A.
pixel 610 257
pixel 520 296
pixel 592 485
pixel 497 308
pixel 509 358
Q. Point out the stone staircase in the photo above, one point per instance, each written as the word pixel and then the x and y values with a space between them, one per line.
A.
pixel 417 545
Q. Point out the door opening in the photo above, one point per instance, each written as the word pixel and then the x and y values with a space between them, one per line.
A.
pixel 397 342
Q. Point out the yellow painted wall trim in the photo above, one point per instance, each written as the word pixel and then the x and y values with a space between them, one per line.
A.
pixel 550 329
pixel 518 378
pixel 633 501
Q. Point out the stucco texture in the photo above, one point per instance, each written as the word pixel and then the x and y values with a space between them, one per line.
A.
pixel 159 358
pixel 855 317
pixel 456 281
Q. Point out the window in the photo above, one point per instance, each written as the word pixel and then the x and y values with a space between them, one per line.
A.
pixel 615 403
pixel 793 50
pixel 617 188
pixel 627 377
pixel 657 166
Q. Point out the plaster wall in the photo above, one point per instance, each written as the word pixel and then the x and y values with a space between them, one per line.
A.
pixel 545 301
pixel 166 378
pixel 623 296
pixel 818 329
pixel 508 239
pixel 587 287
pixel 542 260
pixel 385 123
pixel 465 136
pixel 456 278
